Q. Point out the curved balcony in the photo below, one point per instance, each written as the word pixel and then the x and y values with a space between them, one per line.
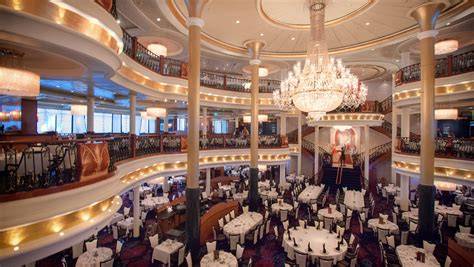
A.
pixel 445 67
pixel 49 164
pixel 445 147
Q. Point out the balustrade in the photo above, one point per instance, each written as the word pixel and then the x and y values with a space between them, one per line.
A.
pixel 40 164
pixel 445 147
pixel 445 67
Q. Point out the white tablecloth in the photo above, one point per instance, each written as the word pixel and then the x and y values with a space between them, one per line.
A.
pixel 391 189
pixel 316 238
pixel 117 217
pixel 465 240
pixel 153 202
pixel 443 210
pixel 126 224
pixel 264 184
pixel 310 192
pixel 226 187
pixel 163 251
pixel 269 194
pixel 94 258
pixel 240 197
pixel 354 200
pixel 225 259
pixel 413 214
pixel 243 223
pixel 407 256
pixel 374 224
pixel 336 215
pixel 283 206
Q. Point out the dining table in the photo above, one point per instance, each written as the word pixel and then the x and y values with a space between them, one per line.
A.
pixel 311 192
pixel 94 257
pixel 242 224
pixel 407 256
pixel 164 250
pixel 354 200
pixel 225 259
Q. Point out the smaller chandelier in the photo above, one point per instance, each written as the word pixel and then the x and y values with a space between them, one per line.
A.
pixel 80 110
pixel 14 80
pixel 446 47
pixel 156 112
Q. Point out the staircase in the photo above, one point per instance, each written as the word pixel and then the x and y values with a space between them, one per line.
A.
pixel 349 178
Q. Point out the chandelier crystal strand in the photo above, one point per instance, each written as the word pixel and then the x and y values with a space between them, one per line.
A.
pixel 322 84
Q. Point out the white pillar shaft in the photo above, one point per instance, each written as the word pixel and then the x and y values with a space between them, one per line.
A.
pixel 136 211
pixel 133 103
pixel 283 125
pixel 208 181
pixel 404 192
pixel 205 121
pixel 316 150
pixel 405 123
pixel 282 174
pixel 90 107
pixel 366 154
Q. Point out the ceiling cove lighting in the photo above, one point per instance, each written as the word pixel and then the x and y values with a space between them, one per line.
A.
pixel 156 112
pixel 446 47
pixel 342 128
pixel 446 114
pixel 261 118
pixel 14 80
pixel 80 110
pixel 323 83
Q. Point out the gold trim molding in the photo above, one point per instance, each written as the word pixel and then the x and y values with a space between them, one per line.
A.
pixel 462 87
pixel 269 19
pixel 62 16
pixel 439 171
pixel 181 18
pixel 13 237
pixel 352 117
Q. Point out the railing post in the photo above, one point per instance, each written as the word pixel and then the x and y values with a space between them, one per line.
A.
pixel 134 47
pixel 162 63
pixel 133 145
pixel 225 82
pixel 450 65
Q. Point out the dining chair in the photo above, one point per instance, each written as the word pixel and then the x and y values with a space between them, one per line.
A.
pixel 328 221
pixel 239 252
pixel 448 261
pixel 283 215
pixel 452 220
pixel 325 262
pixel 118 247
pixel 189 260
pixel 154 241
pixel 108 263
pixel 391 240
pixel 211 246
pixel 90 246
pixel 428 247
pixel 115 232
pixel 234 241
pixel 464 229
pixel 181 252
pixel 232 214
pixel 382 235
pixel 404 237
pixel 301 259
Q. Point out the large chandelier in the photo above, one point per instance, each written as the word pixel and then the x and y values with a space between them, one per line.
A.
pixel 323 83
pixel 14 80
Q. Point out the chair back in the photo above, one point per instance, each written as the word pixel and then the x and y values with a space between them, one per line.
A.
pixel 239 252
pixel 227 217
pixel 77 249
pixel 285 225
pixel 90 246
pixel 448 261
pixel 234 241
pixel 153 241
pixel 181 255
pixel 463 229
pixel 211 246
pixel 413 226
pixel 115 232
pixel 428 247
pixel 328 222
pixel 452 220
pixel 221 222
pixel 382 235
pixel 126 211
pixel 118 247
pixel 283 215
pixel 189 260
pixel 325 262
pixel 404 237
pixel 301 258
pixel 109 263
pixel 342 207
pixel 232 214
pixel 391 241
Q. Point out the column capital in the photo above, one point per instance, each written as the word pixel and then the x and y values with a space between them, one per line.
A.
pixel 195 8
pixel 426 14
pixel 194 21
pixel 254 47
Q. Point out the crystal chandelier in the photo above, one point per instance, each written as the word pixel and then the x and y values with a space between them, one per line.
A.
pixel 322 84
pixel 14 80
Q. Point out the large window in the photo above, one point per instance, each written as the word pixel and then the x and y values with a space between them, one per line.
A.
pixel 220 126
pixel 102 122
pixel 182 127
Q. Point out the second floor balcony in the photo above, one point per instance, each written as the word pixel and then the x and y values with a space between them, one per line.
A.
pixel 445 147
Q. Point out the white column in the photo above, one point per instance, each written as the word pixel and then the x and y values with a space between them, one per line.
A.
pixel 282 174
pixel 404 192
pixel 205 121
pixel 136 211
pixel 283 125
pixel 316 150
pixel 405 123
pixel 366 154
pixel 300 137
pixel 208 181
pixel 133 103
pixel 90 106
pixel 165 124
pixel 394 137
pixel 236 122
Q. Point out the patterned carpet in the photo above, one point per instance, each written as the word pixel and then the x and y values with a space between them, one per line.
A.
pixel 267 252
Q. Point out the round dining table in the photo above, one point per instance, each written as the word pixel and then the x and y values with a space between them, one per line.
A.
pixel 387 225
pixel 315 238
pixel 276 207
pixel 335 214
pixel 465 240
pixel 225 259
pixel 94 258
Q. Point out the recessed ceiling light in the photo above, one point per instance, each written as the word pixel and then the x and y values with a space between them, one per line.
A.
pixel 367 23
pixel 373 49
pixel 158 19
pixel 261 34
pixel 293 38
pixel 118 21
pixel 449 23
pixel 397 60
pixel 237 21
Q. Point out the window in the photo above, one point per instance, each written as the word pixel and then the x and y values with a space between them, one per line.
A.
pixel 125 123
pixel 63 121
pixel 46 120
pixel 102 122
pixel 182 127
pixel 79 124
pixel 220 126
pixel 116 123
pixel 152 125
pixel 142 124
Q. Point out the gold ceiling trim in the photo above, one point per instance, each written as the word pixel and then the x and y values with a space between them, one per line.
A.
pixel 439 171
pixel 350 15
pixel 13 237
pixel 380 70
pixel 138 78
pixel 181 18
pixel 352 117
pixel 462 87
pixel 61 16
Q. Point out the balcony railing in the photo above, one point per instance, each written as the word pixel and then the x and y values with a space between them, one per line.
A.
pixel 445 147
pixel 445 67
pixel 38 164
pixel 176 68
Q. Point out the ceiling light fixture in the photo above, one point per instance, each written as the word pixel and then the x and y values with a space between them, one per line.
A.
pixel 237 21
pixel 322 84
pixel 446 47
pixel 14 80
pixel 158 49
pixel 156 112
pixel 261 34
pixel 158 19
pixel 367 23
pixel 293 38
